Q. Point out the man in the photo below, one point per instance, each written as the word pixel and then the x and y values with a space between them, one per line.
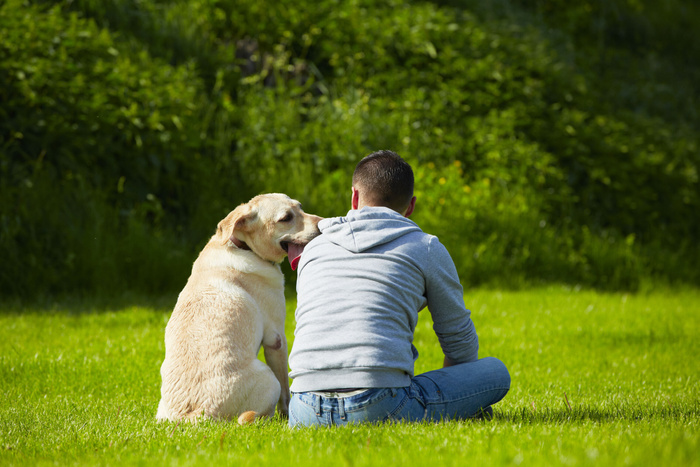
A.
pixel 360 287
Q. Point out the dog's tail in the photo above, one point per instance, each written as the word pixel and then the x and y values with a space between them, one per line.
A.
pixel 246 418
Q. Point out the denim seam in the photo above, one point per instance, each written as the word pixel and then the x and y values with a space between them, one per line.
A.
pixel 354 408
pixel 469 396
pixel 341 409
pixel 301 399
pixel 370 402
pixel 458 399
pixel 398 409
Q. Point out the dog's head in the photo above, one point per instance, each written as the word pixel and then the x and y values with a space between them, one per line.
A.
pixel 268 224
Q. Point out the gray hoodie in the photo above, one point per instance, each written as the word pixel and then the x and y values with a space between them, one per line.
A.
pixel 360 287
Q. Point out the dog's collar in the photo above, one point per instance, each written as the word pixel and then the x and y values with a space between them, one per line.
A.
pixel 242 245
pixel 239 244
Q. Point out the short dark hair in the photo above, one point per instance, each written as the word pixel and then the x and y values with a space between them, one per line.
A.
pixel 384 179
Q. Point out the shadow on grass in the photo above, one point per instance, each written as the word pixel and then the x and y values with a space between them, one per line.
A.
pixel 79 304
pixel 595 414
pixel 97 303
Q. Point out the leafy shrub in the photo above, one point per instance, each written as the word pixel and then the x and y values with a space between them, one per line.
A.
pixel 510 110
pixel 540 154
pixel 95 147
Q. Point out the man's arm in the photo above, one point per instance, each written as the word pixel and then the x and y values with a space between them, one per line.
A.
pixel 451 320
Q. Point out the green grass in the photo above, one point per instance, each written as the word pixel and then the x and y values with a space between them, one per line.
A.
pixel 598 379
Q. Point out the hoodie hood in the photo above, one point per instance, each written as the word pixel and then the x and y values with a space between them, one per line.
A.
pixel 366 228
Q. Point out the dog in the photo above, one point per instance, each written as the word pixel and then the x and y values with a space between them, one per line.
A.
pixel 233 303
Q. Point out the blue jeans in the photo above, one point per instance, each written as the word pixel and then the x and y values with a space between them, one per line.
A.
pixel 456 392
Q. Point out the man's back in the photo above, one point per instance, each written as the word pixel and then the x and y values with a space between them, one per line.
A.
pixel 360 287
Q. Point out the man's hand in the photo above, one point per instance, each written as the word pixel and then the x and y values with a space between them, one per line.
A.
pixel 448 362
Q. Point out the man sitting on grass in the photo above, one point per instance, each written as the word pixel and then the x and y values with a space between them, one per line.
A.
pixel 360 287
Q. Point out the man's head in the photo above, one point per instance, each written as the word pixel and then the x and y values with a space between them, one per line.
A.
pixel 383 179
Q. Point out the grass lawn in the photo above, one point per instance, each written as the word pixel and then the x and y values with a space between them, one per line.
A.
pixel 598 379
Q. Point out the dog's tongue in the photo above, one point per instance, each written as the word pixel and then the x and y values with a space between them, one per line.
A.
pixel 294 255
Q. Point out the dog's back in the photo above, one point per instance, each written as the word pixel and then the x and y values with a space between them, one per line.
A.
pixel 215 332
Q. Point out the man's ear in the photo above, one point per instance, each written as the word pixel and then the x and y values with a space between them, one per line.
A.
pixel 411 207
pixel 355 200
pixel 236 221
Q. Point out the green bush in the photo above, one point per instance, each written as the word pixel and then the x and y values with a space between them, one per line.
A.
pixel 99 150
pixel 512 111
pixel 551 142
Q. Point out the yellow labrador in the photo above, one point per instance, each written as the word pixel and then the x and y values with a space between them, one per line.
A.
pixel 232 304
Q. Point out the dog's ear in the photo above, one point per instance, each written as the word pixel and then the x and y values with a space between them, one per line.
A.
pixel 236 221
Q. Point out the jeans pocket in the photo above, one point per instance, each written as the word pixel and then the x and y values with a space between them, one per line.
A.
pixel 372 406
pixel 398 414
pixel 302 411
pixel 366 399
pixel 397 405
pixel 412 406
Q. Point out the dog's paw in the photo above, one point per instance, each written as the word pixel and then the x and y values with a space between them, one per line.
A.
pixel 283 408
pixel 247 418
